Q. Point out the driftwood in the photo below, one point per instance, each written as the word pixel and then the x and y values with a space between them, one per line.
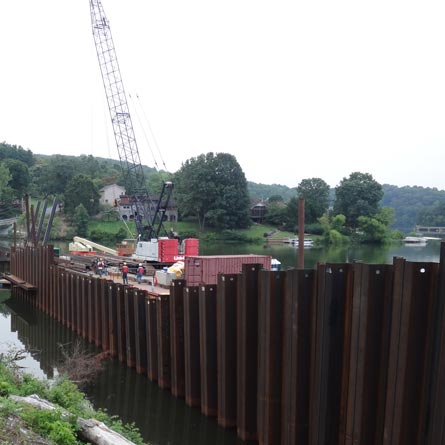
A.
pixel 91 430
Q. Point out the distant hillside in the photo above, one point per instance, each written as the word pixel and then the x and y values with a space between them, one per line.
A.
pixel 264 191
pixel 408 201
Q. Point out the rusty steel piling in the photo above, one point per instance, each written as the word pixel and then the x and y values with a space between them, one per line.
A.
pixel 345 354
pixel 207 349
pixel 191 347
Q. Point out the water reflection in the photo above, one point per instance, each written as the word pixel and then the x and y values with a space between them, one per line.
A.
pixel 161 418
pixel 288 254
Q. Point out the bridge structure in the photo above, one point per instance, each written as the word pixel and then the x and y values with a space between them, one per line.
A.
pixel 429 230
pixel 348 353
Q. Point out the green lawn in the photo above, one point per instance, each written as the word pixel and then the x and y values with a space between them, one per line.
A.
pixel 255 231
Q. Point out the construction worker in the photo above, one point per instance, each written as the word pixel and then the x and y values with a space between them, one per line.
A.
pixel 139 273
pixel 100 266
pixel 125 273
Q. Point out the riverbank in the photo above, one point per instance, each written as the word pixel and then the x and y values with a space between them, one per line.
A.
pixel 59 415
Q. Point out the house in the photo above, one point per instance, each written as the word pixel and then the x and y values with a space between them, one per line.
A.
pixel 258 210
pixel 110 194
pixel 127 210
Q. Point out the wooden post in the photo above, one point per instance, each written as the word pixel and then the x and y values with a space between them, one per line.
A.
pixel 300 233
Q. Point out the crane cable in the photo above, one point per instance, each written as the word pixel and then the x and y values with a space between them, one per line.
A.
pixel 145 134
pixel 151 131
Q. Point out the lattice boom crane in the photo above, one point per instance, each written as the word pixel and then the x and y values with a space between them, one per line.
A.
pixel 149 216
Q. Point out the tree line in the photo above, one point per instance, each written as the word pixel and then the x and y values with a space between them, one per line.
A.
pixel 212 190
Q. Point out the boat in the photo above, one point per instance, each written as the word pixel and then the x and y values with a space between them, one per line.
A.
pixel 308 242
pixel 417 240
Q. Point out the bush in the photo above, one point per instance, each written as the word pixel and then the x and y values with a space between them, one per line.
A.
pixel 314 229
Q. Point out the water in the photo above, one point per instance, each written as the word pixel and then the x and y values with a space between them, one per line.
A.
pixel 162 418
pixel 288 254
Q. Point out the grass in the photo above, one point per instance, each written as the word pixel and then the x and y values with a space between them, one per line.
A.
pixel 48 427
pixel 256 231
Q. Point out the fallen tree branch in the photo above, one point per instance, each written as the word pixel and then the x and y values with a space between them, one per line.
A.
pixel 91 430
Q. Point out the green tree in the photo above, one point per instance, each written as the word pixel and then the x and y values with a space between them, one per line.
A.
pixel 333 229
pixel 156 180
pixel 5 178
pixel 6 193
pixel 81 190
pixel 213 188
pixel 53 175
pixel 275 198
pixel 291 220
pixel 81 219
pixel 358 195
pixel 20 177
pixel 17 153
pixel 433 215
pixel 276 214
pixel 315 192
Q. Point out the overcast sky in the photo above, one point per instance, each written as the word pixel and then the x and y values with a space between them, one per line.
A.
pixel 293 89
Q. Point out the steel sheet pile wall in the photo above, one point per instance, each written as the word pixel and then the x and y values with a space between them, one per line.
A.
pixel 343 354
pixel 177 338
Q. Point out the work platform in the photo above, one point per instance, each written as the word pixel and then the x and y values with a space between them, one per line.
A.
pixel 19 282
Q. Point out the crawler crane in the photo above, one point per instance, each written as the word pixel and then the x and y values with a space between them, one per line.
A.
pixel 153 243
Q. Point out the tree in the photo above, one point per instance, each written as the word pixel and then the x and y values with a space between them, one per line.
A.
pixel 81 219
pixel 333 229
pixel 53 175
pixel 315 192
pixel 358 195
pixel 213 189
pixel 20 177
pixel 5 177
pixel 433 215
pixel 17 153
pixel 81 190
pixel 275 198
pixel 7 208
pixel 156 180
pixel 291 220
pixel 276 214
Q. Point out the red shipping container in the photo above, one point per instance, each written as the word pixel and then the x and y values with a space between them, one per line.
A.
pixel 205 269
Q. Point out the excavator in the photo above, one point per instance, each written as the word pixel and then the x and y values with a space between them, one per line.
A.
pixel 153 242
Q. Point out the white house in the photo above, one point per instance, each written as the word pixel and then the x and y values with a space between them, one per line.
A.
pixel 111 193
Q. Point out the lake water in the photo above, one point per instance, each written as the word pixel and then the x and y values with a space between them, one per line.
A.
pixel 288 254
pixel 162 418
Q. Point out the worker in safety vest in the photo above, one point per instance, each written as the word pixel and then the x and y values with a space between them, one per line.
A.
pixel 140 272
pixel 100 267
pixel 125 273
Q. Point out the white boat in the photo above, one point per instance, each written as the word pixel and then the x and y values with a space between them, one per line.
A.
pixel 308 242
pixel 415 240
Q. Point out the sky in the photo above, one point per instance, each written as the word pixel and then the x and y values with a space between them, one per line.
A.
pixel 293 89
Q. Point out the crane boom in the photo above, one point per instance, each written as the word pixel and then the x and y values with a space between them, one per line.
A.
pixel 148 215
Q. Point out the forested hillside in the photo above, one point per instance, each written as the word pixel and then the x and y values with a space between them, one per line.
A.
pixel 265 191
pixel 413 205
